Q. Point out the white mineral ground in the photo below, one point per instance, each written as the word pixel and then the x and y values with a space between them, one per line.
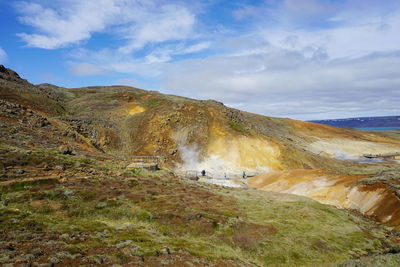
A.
pixel 229 155
pixel 346 149
pixel 338 190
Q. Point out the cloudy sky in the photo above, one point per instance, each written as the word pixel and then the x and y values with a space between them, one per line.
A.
pixel 303 59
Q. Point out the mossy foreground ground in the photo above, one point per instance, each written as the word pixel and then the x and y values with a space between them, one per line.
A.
pixel 87 209
pixel 90 212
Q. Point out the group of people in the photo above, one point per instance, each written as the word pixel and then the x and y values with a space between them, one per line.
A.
pixel 203 173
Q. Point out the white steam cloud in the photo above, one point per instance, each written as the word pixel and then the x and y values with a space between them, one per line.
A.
pixel 214 165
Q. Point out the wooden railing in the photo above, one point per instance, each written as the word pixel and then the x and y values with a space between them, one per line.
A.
pixel 208 175
pixel 151 162
pixel 144 159
pixel 388 155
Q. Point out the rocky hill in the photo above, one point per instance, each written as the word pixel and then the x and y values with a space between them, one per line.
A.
pixel 125 121
pixel 67 198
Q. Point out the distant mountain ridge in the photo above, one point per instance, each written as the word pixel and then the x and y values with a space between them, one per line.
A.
pixel 363 122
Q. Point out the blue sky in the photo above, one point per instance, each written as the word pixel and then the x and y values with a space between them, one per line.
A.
pixel 303 59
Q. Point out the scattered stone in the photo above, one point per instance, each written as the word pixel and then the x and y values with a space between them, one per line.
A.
pixel 20 171
pixel 36 264
pixel 46 167
pixel 60 167
pixel 23 258
pixel 65 236
pixel 66 150
pixel 37 252
pixel 189 264
pixel 54 243
pixel 43 122
pixel 96 259
pixel 130 251
pixel 123 243
pixel 29 257
pixel 101 205
pixel 164 251
pixel 68 193
pixel 54 260
pixel 65 254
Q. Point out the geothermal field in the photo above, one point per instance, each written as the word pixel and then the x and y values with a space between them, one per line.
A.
pixel 119 176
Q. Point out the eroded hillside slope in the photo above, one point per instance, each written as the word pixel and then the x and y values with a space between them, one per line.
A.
pixel 198 134
pixel 192 134
pixel 370 189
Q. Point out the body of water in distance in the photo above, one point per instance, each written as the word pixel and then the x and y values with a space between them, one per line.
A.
pixel 378 128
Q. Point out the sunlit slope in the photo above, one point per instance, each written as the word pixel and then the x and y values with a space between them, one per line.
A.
pixel 96 209
pixel 344 143
pixel 372 189
pixel 190 134
pixel 206 134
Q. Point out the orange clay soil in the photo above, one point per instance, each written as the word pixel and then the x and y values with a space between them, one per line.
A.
pixel 343 191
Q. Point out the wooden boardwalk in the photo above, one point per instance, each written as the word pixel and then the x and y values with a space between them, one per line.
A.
pixel 196 175
pixel 387 156
pixel 145 162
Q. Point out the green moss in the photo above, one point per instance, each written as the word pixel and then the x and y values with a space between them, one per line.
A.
pixel 14 156
pixel 238 127
pixel 133 172
pixel 388 260
pixel 307 232
pixel 212 248
pixel 254 227
pixel 45 209
pixel 23 185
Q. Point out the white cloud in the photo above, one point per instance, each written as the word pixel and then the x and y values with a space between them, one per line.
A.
pixel 297 73
pixel 347 41
pixel 306 10
pixel 86 69
pixel 194 48
pixel 345 64
pixel 246 11
pixel 165 54
pixel 305 89
pixel 3 56
pixel 171 22
pixel 140 22
pixel 151 65
pixel 70 23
